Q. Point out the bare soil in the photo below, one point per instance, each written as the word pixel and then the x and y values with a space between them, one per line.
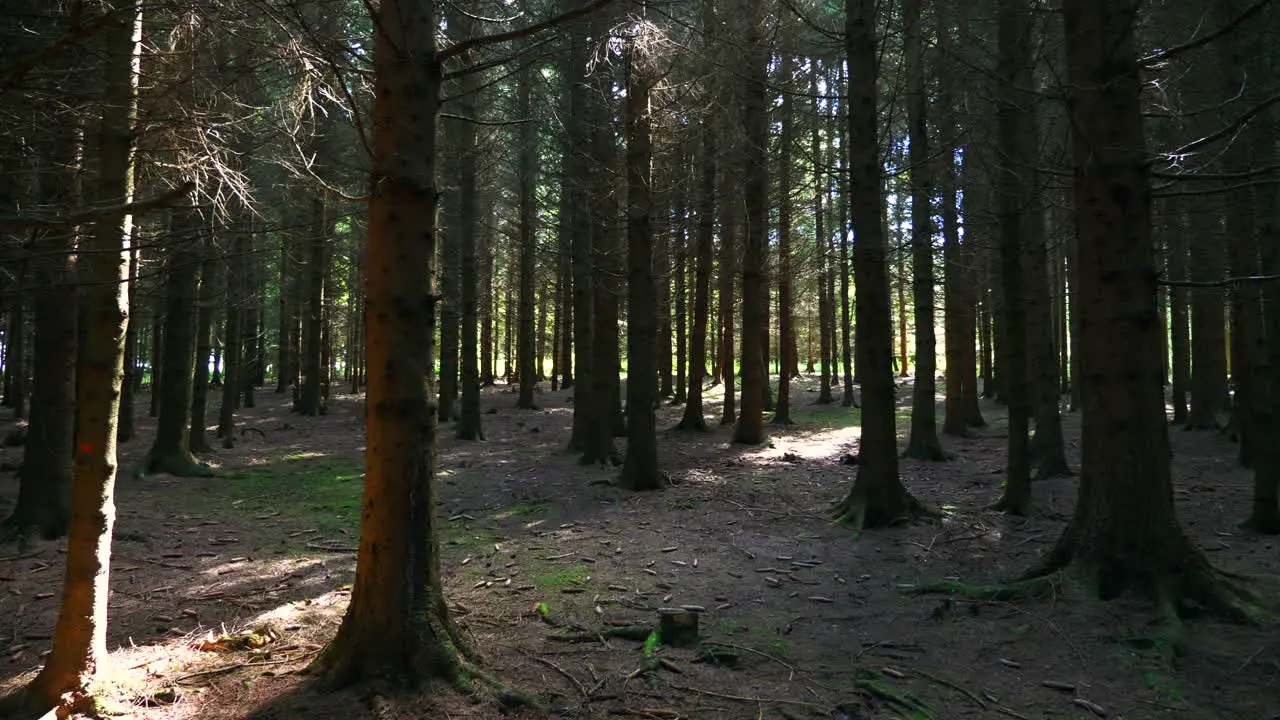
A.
pixel 224 588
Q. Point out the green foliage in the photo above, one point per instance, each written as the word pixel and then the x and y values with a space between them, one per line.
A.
pixel 324 492
pixel 573 576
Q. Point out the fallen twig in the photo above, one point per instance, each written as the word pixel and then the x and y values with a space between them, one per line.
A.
pixel 954 686
pixel 576 683
pixel 781 662
pixel 329 547
pixel 743 698
pixel 161 563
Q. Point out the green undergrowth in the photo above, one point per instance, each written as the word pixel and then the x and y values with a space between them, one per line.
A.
pixel 315 491
pixel 562 577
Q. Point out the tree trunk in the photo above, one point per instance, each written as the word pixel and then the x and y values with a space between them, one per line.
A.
pixel 662 346
pixel 782 412
pixel 878 496
pixel 79 652
pixel 955 326
pixel 232 357
pixel 157 345
pixel 1124 534
pixel 1019 220
pixel 681 272
pixel 251 350
pixel 693 419
pixel 640 465
pixel 922 443
pixel 15 353
pixel 46 470
pixel 170 451
pixel 397 623
pixel 129 387
pixel 469 426
pixel 604 396
pixel 574 220
pixel 527 176
pixel 1179 334
pixel 755 240
pixel 310 401
pixel 1208 322
pixel 285 319
pixel 210 287
pixel 451 258
pixel 846 330
pixel 728 207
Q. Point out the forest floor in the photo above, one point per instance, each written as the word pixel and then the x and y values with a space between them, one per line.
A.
pixel 223 588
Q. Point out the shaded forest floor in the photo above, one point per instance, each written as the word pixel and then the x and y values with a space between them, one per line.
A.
pixel 223 587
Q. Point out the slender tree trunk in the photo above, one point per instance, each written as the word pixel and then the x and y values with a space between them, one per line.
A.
pixel 16 350
pixel 729 209
pixel 1208 322
pixel 210 287
pixel 922 443
pixel 878 496
pixel 662 346
pixel 1179 334
pixel 285 327
pixel 574 222
pixel 693 419
pixel 528 179
pixel 397 623
pixel 782 412
pixel 232 357
pixel 157 345
pixel 469 426
pixel 681 271
pixel 251 350
pixel 846 329
pixel 129 386
pixel 310 401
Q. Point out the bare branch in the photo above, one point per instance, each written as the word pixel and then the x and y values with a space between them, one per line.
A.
pixel 134 208
pixel 470 44
pixel 1203 40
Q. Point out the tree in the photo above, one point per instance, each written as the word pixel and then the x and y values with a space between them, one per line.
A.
pixel 68 679
pixel 1018 216
pixel 878 496
pixel 1124 534
pixel 640 465
pixel 170 451
pixel 922 443
pixel 397 623
pixel 782 413
pixel 211 285
pixel 527 178
pixel 755 236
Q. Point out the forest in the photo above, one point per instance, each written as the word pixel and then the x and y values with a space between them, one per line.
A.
pixel 704 359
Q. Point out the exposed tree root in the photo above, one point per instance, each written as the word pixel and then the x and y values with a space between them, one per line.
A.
pixel 1017 503
pixel 926 451
pixel 696 426
pixel 176 464
pixel 862 511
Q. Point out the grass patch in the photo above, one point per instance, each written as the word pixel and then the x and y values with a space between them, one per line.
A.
pixel 322 492
pixel 574 576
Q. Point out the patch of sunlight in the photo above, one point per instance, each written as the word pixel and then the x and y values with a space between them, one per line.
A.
pixel 535 509
pixel 304 455
pixel 701 476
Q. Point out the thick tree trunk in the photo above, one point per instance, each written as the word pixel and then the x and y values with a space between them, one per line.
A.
pixel 640 466
pixel 574 221
pixel 46 470
pixel 170 452
pixel 604 395
pixel 755 240
pixel 878 496
pixel 1124 534
pixel 79 652
pixel 1019 219
pixel 397 623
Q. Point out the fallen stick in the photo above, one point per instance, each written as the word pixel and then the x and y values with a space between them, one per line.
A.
pixel 576 683
pixel 237 666
pixel 743 698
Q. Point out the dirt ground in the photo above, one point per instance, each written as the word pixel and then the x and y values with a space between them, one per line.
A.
pixel 224 588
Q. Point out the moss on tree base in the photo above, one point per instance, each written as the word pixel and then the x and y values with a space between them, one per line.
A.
pixel 176 463
pixel 863 510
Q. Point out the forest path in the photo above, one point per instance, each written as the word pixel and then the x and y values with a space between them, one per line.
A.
pixel 537 547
